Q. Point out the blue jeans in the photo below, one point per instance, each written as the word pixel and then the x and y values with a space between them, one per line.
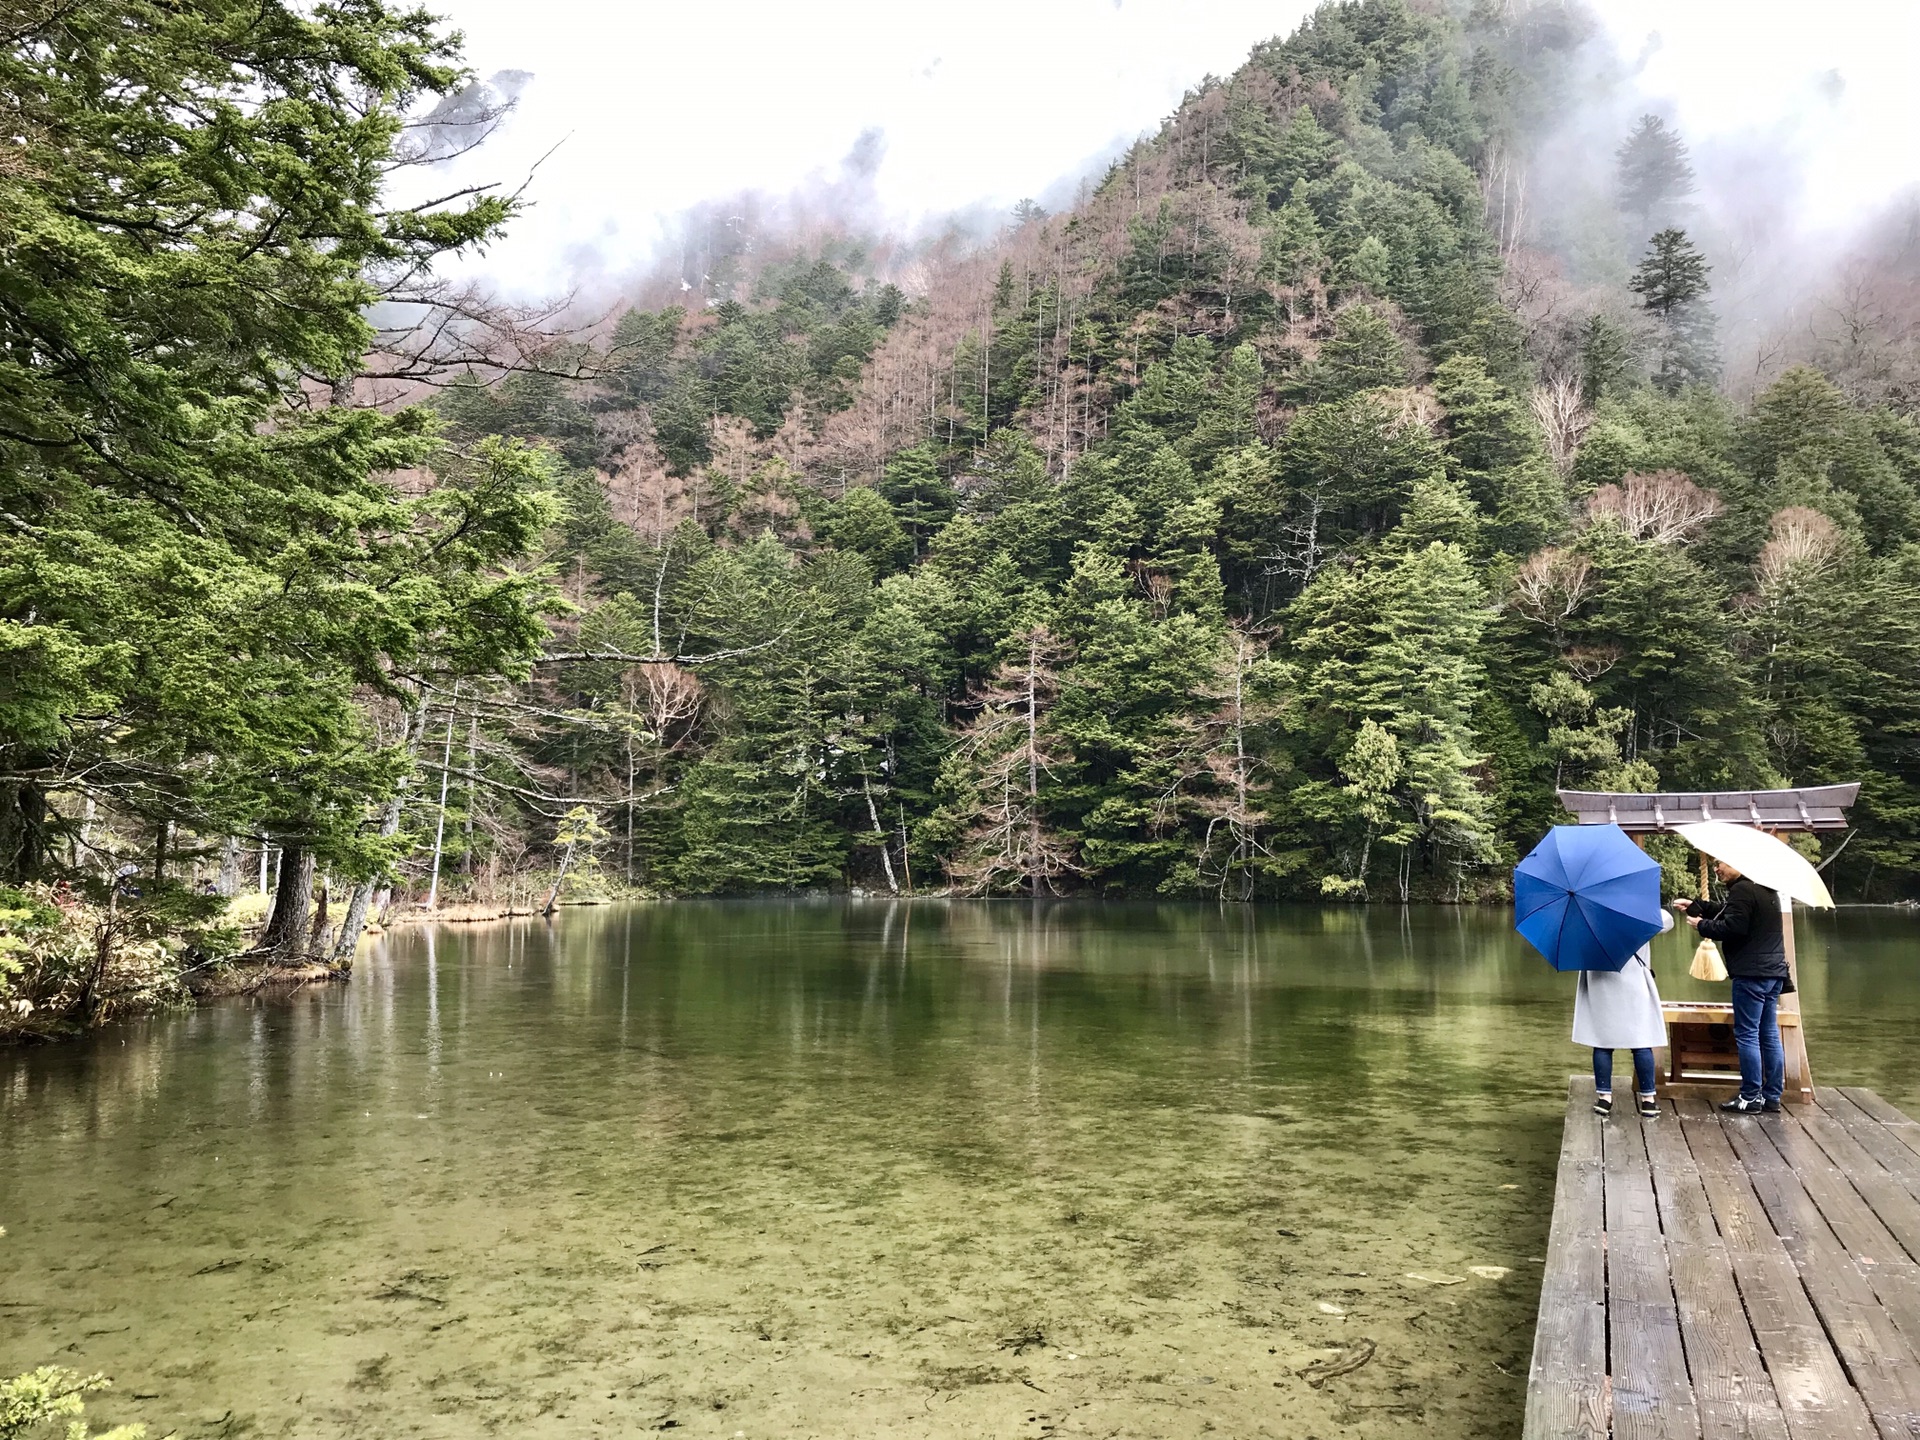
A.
pixel 1756 1035
pixel 1642 1071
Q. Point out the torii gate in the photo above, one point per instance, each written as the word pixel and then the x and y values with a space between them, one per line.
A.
pixel 1812 809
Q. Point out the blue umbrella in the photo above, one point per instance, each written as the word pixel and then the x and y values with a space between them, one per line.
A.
pixel 1587 897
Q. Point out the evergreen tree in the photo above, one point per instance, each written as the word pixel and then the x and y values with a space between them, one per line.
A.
pixel 1671 282
pixel 1125 708
pixel 1230 417
pixel 1495 450
pixel 1363 353
pixel 1654 175
pixel 641 358
pixel 1348 468
pixel 1362 810
pixel 199 555
pixel 1803 424
pixel 1396 643
pixel 920 496
pixel 1306 153
pixel 761 808
pixel 1651 613
pixel 1584 739
pixel 864 524
pixel 1607 358
pixel 1294 253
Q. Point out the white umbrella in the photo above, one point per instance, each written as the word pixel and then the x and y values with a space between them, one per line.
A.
pixel 1761 858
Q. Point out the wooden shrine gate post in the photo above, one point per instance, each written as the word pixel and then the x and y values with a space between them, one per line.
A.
pixel 1810 810
pixel 1793 1034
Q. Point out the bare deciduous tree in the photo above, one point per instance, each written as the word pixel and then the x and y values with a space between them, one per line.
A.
pixel 1550 588
pixel 1587 663
pixel 1561 412
pixel 1662 508
pixel 1235 842
pixel 1801 544
pixel 1008 844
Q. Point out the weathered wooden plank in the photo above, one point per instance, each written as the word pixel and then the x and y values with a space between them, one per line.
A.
pixel 1567 1380
pixel 1733 1394
pixel 1813 1390
pixel 1873 1137
pixel 1882 1365
pixel 1902 1126
pixel 1652 1397
pixel 1897 1207
pixel 1875 1253
pixel 1882 1110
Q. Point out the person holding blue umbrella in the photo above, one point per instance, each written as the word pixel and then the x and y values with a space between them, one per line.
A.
pixel 1620 1010
pixel 1588 899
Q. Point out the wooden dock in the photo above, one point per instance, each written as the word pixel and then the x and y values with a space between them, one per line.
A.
pixel 1736 1276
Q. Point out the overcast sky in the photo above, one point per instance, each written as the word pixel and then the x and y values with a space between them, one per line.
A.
pixel 654 107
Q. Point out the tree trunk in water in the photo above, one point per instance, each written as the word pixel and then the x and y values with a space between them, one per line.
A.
pixel 353 922
pixel 367 891
pixel 317 937
pixel 559 879
pixel 364 893
pixel 631 761
pixel 293 894
pixel 906 864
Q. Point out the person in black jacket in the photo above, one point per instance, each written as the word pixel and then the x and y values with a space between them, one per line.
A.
pixel 1747 927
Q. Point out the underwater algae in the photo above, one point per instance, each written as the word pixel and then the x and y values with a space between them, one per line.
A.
pixel 817 1169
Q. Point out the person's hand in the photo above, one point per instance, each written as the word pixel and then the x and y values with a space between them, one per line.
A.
pixel 1683 905
pixel 1694 921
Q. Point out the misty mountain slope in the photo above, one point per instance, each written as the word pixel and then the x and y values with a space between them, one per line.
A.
pixel 1289 517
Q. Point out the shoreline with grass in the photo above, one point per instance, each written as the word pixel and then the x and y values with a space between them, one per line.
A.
pixel 74 958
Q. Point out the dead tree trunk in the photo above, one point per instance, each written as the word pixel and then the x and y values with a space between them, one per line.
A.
pixel 559 879
pixel 880 831
pixel 1033 760
pixel 473 790
pixel 440 827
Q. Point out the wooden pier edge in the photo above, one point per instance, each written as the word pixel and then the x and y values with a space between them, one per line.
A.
pixel 1721 1277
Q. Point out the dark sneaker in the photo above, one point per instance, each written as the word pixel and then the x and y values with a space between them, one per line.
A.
pixel 1737 1106
pixel 1649 1108
pixel 1603 1105
pixel 1770 1107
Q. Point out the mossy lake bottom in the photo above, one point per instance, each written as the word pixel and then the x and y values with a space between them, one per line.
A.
pixel 842 1168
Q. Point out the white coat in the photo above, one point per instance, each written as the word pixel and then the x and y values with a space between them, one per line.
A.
pixel 1620 1009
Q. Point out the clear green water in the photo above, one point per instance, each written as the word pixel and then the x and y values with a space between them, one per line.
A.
pixel 825 1169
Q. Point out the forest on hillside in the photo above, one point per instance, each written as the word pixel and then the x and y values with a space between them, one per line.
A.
pixel 1288 518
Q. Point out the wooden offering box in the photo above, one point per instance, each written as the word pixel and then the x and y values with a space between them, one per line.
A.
pixel 1700 1043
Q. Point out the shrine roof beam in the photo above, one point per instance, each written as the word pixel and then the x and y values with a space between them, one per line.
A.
pixel 1818 807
